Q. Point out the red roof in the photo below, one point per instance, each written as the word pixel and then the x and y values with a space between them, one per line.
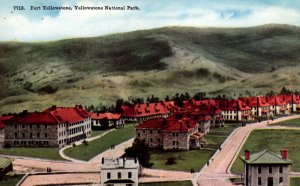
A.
pixel 233 104
pixel 170 124
pixel 32 118
pixel 146 109
pixel 296 98
pixel 2 119
pixel 107 115
pixel 68 114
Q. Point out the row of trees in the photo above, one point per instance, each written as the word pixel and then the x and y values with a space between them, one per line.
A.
pixel 178 99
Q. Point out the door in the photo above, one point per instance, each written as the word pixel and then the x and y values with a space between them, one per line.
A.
pixel 270 181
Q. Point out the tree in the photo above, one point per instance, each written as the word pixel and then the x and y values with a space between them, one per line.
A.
pixel 285 91
pixel 140 150
pixel 199 96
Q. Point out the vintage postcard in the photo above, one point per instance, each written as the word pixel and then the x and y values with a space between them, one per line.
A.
pixel 145 92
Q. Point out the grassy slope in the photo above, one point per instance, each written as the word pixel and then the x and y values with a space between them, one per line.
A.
pixel 273 140
pixel 37 75
pixel 46 153
pixel 101 144
pixel 294 181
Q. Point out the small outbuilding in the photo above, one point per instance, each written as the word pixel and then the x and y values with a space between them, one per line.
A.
pixel 266 168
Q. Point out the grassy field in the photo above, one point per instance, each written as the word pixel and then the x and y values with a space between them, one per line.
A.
pixel 159 61
pixel 289 123
pixel 183 159
pixel 44 153
pixel 11 180
pixel 294 181
pixel 100 145
pixel 97 132
pixel 273 140
pixel 198 157
pixel 170 183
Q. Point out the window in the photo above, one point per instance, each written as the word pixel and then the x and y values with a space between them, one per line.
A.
pixel 139 135
pixel 280 169
pixel 129 174
pixel 270 169
pixel 38 126
pixel 45 126
pixel 174 142
pixel 158 131
pixel 38 134
pixel 119 175
pixel 46 135
pixel 259 169
pixel 280 180
pixel 23 126
pixel 16 126
pixel 30 135
pixel 108 175
pixel 30 126
pixel 158 140
pixel 173 134
pixel 16 135
pixel 259 181
pixel 150 131
pixel 151 140
pixel 23 135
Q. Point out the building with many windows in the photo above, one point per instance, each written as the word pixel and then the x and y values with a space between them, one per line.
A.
pixel 119 172
pixel 266 168
pixel 56 126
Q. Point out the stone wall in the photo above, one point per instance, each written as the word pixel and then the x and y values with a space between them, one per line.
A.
pixel 152 137
pixel 176 141
pixel 31 135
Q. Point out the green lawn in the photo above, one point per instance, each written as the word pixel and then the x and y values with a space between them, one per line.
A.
pixel 294 181
pixel 98 132
pixel 170 183
pixel 273 140
pixel 185 160
pixel 39 152
pixel 198 157
pixel 11 180
pixel 101 144
pixel 289 123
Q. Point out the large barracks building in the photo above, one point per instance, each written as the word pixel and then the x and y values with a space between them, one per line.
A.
pixel 54 127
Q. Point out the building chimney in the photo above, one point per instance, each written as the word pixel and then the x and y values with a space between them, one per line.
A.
pixel 284 154
pixel 102 161
pixel 247 154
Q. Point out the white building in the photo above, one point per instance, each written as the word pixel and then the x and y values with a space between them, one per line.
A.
pixel 119 172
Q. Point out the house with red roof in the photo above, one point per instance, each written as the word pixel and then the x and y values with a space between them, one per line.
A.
pixel 56 126
pixel 145 111
pixel 2 129
pixel 235 110
pixel 295 103
pixel 105 120
pixel 278 105
pixel 208 107
pixel 174 133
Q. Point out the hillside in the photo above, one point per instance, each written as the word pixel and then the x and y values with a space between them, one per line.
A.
pixel 161 61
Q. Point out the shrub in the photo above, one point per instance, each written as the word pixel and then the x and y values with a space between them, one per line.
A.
pixel 74 145
pixel 170 161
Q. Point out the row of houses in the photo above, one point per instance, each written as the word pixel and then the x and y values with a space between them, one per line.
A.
pixel 185 129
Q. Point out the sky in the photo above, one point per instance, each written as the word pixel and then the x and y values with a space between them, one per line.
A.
pixel 46 25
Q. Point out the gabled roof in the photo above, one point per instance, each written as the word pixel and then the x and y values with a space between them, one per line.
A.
pixel 107 115
pixel 170 124
pixel 68 114
pixel 266 157
pixel 296 98
pixel 145 109
pixel 35 118
pixel 5 162
pixel 2 119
